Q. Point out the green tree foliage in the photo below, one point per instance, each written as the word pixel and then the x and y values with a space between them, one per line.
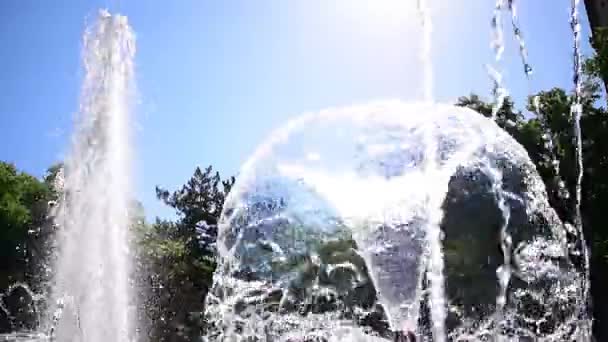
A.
pixel 198 205
pixel 597 66
pixel 24 232
pixel 506 117
pixel 180 256
pixel 23 211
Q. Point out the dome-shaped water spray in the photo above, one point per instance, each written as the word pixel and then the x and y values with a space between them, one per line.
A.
pixel 428 215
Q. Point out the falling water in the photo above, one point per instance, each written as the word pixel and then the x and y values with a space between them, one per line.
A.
pixel 497 45
pixel 500 93
pixel 504 271
pixel 506 244
pixel 435 267
pixel 433 230
pixel 576 111
pixel 523 52
pixel 91 288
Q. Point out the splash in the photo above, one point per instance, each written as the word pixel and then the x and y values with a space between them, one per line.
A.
pixel 90 289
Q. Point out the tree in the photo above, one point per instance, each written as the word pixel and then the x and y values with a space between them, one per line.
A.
pixel 23 208
pixel 506 117
pixel 24 224
pixel 597 65
pixel 180 255
pixel 198 205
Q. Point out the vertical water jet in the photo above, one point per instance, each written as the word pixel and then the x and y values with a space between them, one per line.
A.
pixel 91 296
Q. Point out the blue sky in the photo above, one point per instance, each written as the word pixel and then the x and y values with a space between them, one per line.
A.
pixel 216 77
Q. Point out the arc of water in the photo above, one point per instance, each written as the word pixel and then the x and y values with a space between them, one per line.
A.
pixel 576 113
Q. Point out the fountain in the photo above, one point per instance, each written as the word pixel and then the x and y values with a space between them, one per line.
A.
pixel 350 213
pixel 366 223
pixel 377 221
pixel 91 298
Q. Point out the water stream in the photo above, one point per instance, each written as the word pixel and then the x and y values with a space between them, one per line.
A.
pixel 498 46
pixel 517 33
pixel 91 296
pixel 576 112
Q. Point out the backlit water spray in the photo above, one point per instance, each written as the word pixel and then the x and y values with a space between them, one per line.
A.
pixel 91 294
pixel 331 228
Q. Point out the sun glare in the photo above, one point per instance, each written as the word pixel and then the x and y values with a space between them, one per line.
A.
pixel 383 12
